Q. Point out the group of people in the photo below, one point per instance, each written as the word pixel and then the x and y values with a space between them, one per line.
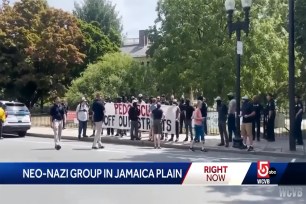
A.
pixel 250 116
pixel 188 115
pixel 58 116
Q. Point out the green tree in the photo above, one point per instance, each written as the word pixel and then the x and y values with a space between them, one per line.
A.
pixel 39 46
pixel 192 50
pixel 103 12
pixel 96 44
pixel 108 76
pixel 300 27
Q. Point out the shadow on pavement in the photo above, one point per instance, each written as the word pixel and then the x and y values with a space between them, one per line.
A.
pixel 82 149
pixel 42 149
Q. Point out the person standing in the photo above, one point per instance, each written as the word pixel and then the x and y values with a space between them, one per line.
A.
pixel 188 112
pixel 82 111
pixel 65 106
pixel 182 115
pixel 204 113
pixel 166 103
pixel 231 123
pixel 256 122
pixel 2 120
pixel 134 114
pixel 271 113
pixel 298 120
pixel 247 114
pixel 110 131
pixel 222 117
pixel 198 127
pixel 158 117
pixel 177 119
pixel 152 107
pixel 57 116
pixel 98 115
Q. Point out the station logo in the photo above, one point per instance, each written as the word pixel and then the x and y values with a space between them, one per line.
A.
pixel 265 172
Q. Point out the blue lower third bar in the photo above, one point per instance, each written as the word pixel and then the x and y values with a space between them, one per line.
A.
pixel 93 173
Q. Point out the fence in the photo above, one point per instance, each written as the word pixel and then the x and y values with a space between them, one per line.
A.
pixel 282 123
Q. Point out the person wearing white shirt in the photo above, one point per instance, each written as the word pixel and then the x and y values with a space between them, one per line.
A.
pixel 82 112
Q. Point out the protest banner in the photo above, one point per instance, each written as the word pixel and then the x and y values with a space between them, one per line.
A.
pixel 116 116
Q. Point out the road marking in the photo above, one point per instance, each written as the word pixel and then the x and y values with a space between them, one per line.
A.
pixel 293 160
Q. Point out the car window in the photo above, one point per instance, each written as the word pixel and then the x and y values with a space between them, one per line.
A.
pixel 16 107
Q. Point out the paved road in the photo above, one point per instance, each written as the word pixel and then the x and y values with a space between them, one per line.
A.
pixel 39 149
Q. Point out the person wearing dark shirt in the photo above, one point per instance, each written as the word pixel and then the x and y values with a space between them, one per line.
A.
pixel 65 107
pixel 188 122
pixel 98 116
pixel 182 115
pixel 298 120
pixel 256 122
pixel 270 118
pixel 204 113
pixel 247 114
pixel 158 117
pixel 164 100
pixel 222 118
pixel 134 113
pixel 57 116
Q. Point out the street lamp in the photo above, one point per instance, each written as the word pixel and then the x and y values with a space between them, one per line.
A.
pixel 237 27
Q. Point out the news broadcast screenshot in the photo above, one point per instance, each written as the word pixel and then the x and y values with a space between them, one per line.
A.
pixel 152 101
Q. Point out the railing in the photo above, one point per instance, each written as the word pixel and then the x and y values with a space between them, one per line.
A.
pixel 281 130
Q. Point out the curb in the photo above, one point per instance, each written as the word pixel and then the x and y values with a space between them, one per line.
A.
pixel 109 140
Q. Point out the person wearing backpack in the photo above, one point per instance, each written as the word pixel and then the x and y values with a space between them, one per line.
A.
pixel 82 112
pixel 222 117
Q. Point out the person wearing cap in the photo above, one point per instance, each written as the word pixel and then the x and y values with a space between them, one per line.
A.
pixel 270 118
pixel 256 122
pixel 231 121
pixel 140 99
pixel 298 120
pixel 158 117
pixel 247 114
pixel 198 127
pixel 222 117
pixel 2 120
pixel 82 112
pixel 177 119
pixel 134 114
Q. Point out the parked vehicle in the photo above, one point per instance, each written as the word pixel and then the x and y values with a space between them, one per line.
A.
pixel 18 118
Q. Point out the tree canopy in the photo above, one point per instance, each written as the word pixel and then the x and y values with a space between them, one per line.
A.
pixel 192 50
pixel 39 46
pixel 104 13
pixel 107 76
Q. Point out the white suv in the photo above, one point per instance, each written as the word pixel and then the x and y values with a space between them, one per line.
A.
pixel 18 118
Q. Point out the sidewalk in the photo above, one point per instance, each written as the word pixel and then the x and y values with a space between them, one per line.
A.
pixel 278 148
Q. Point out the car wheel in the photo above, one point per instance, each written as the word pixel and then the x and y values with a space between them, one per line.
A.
pixel 22 134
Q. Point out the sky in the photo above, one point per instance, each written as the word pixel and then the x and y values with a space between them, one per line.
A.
pixel 136 14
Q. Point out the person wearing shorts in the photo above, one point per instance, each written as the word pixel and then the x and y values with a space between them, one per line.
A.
pixel 198 127
pixel 158 117
pixel 247 114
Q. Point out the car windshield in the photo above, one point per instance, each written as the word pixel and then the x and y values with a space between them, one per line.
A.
pixel 16 107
